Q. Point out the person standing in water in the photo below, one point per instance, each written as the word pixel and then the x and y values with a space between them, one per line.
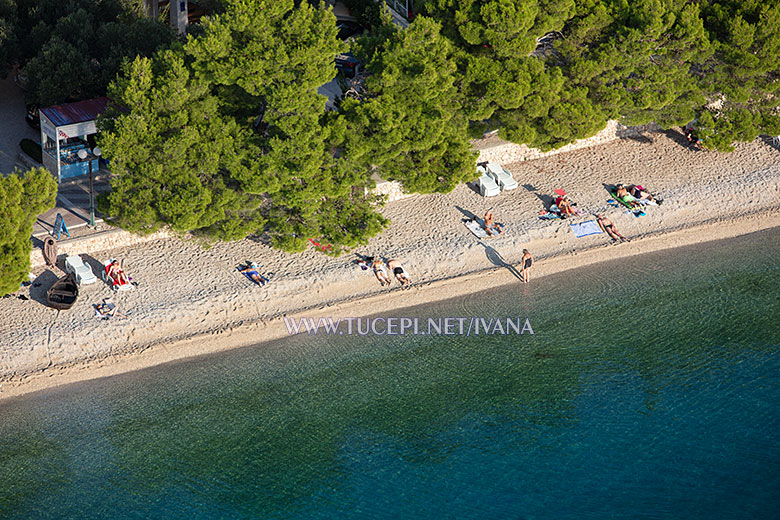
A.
pixel 526 262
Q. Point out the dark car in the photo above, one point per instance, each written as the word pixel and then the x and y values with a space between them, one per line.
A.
pixel 347 64
pixel 33 118
pixel 348 28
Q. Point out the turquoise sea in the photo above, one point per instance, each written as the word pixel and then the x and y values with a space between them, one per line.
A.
pixel 650 389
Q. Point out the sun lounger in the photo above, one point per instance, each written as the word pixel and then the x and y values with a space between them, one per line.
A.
pixel 502 177
pixel 83 273
pixel 487 186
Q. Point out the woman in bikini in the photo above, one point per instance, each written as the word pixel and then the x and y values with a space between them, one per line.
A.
pixel 609 228
pixel 526 261
pixel 116 273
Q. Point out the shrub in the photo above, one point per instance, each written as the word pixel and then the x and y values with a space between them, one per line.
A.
pixel 32 149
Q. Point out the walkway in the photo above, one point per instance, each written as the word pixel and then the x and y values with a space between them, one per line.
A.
pixel 13 128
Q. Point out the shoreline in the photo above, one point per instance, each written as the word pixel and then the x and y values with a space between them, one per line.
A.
pixel 190 300
pixel 265 329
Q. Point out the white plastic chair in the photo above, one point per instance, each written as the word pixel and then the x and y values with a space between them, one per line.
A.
pixel 83 273
pixel 487 186
pixel 502 176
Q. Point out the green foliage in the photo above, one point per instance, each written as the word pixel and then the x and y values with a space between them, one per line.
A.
pixel 31 148
pixel 23 197
pixel 228 135
pixel 8 37
pixel 412 128
pixel 169 149
pixel 367 12
pixel 82 55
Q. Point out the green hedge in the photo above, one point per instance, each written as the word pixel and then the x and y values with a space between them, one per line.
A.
pixel 32 149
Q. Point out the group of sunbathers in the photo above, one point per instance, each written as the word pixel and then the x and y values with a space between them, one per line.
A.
pixel 382 274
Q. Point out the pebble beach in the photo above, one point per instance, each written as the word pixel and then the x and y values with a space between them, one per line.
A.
pixel 190 299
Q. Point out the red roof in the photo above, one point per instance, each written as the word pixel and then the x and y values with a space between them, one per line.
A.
pixel 78 112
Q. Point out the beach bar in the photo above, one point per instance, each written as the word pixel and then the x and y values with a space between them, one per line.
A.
pixel 66 130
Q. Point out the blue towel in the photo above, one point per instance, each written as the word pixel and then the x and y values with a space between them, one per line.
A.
pixel 583 229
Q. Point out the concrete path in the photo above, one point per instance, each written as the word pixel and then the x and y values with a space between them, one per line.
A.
pixel 13 127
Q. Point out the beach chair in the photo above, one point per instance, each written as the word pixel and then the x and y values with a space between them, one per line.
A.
pixel 502 177
pixel 116 283
pixel 487 186
pixel 82 272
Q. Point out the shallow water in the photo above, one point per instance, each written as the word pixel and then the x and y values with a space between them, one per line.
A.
pixel 649 390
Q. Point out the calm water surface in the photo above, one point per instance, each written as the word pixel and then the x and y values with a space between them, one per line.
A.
pixel 650 390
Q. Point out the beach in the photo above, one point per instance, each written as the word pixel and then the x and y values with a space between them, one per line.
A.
pixel 191 300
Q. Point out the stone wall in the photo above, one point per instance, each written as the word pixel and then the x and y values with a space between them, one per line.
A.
pixel 497 150
pixel 494 149
pixel 95 243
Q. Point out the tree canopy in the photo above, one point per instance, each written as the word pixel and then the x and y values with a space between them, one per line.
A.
pixel 257 152
pixel 411 127
pixel 549 72
pixel 23 196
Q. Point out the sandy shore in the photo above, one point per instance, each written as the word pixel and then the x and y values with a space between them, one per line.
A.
pixel 191 300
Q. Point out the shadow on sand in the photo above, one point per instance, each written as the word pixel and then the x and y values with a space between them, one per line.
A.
pixel 496 259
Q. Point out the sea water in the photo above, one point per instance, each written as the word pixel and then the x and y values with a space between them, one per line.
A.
pixel 649 389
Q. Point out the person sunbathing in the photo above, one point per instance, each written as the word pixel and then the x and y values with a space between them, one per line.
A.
pixel 400 273
pixel 609 228
pixel 564 206
pixel 640 193
pixel 380 271
pixel 107 309
pixel 117 274
pixel 491 226
pixel 622 193
pixel 251 271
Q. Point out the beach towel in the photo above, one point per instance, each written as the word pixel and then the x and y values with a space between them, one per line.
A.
pixel 583 229
pixel 475 226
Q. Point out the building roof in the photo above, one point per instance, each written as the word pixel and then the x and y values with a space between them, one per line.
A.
pixel 78 112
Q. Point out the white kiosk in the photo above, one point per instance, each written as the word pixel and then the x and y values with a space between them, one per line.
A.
pixel 64 133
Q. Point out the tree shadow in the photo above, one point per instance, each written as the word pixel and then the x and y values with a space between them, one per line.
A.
pixel 677 137
pixel 496 259
pixel 639 138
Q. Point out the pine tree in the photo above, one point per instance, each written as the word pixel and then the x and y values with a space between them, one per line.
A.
pixel 23 197
pixel 170 151
pixel 411 126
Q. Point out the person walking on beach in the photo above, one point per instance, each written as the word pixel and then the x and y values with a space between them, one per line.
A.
pixel 526 262
pixel 609 228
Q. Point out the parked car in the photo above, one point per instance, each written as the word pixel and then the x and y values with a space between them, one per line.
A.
pixel 348 28
pixel 33 118
pixel 347 64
